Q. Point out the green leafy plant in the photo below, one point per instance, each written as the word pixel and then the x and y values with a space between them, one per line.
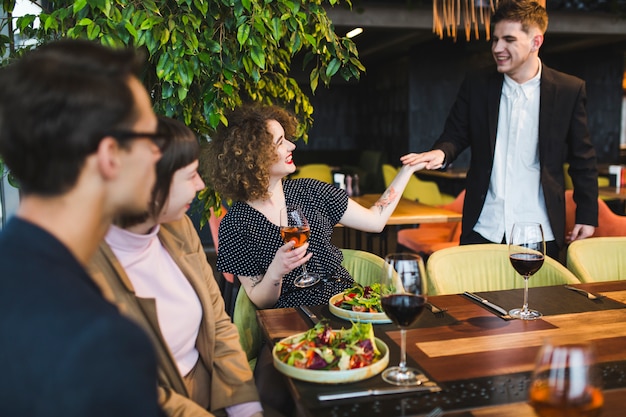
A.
pixel 206 57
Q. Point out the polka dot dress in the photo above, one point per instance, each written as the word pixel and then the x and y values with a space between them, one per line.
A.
pixel 248 242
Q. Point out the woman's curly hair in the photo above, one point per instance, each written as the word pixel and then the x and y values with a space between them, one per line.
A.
pixel 239 156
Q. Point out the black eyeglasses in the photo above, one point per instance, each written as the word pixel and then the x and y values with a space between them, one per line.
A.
pixel 160 140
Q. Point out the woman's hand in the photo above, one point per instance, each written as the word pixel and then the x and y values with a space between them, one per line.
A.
pixel 288 258
pixel 265 290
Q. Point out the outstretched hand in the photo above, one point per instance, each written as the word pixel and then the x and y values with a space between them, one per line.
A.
pixel 429 160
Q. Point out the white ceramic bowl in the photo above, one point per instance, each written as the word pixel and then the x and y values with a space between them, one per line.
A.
pixel 363 317
pixel 334 377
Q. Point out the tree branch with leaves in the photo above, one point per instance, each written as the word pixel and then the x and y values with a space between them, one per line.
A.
pixel 206 57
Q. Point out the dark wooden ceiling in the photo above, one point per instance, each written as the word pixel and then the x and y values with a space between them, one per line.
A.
pixel 392 27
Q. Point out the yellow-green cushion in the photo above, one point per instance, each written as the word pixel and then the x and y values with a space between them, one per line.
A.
pixel 486 268
pixel 364 267
pixel 598 259
pixel 244 317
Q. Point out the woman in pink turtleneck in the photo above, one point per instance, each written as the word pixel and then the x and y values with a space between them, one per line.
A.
pixel 155 269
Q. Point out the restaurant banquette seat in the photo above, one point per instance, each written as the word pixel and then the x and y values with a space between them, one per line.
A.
pixel 430 237
pixel 321 172
pixel 486 267
pixel 364 267
pixel 598 259
pixel 609 223
pixel 426 192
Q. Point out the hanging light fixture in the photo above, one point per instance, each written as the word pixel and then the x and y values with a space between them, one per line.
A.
pixel 474 14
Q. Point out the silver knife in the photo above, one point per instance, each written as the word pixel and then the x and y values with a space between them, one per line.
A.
pixel 426 386
pixel 488 303
pixel 310 314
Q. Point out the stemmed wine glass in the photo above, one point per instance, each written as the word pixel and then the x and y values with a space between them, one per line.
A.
pixel 294 227
pixel 526 253
pixel 566 380
pixel 403 295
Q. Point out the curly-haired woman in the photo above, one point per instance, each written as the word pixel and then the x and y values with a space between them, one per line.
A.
pixel 247 163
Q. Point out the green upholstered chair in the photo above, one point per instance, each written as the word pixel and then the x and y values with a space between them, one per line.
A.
pixel 486 268
pixel 426 192
pixel 320 172
pixel 598 258
pixel 244 317
pixel 365 267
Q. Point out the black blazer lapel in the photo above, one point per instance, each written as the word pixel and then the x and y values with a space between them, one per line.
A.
pixel 493 107
pixel 547 104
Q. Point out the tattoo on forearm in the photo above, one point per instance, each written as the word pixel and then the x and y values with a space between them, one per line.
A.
pixel 386 199
pixel 256 280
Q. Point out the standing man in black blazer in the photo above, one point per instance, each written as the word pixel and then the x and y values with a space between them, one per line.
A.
pixel 522 122
pixel 78 132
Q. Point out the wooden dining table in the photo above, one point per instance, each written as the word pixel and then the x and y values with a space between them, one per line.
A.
pixel 407 213
pixel 478 363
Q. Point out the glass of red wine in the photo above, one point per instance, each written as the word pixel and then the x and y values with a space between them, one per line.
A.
pixel 527 249
pixel 294 227
pixel 403 295
pixel 566 380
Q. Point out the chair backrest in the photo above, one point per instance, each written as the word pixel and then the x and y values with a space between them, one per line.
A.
pixel 244 318
pixel 321 172
pixel 486 268
pixel 609 223
pixel 598 259
pixel 365 267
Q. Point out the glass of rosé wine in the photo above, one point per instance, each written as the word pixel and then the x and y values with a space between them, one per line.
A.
pixel 294 227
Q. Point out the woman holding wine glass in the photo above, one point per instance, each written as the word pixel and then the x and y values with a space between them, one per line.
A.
pixel 247 163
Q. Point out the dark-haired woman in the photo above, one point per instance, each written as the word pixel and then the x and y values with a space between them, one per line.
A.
pixel 155 269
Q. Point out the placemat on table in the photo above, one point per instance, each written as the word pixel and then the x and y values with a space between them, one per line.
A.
pixel 551 300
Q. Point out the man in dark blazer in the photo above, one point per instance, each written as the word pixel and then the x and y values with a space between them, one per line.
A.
pixel 522 123
pixel 78 132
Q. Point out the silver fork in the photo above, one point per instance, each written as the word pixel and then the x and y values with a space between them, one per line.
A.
pixel 437 311
pixel 585 293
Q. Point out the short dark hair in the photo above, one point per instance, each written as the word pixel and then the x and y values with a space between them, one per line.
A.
pixel 240 155
pixel 529 13
pixel 182 149
pixel 56 104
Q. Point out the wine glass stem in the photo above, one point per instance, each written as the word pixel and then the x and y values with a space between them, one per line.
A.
pixel 402 350
pixel 525 306
pixel 305 273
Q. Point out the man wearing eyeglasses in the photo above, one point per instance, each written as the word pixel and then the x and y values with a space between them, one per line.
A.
pixel 78 132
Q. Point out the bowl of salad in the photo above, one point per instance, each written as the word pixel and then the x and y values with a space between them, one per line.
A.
pixel 326 356
pixel 359 303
